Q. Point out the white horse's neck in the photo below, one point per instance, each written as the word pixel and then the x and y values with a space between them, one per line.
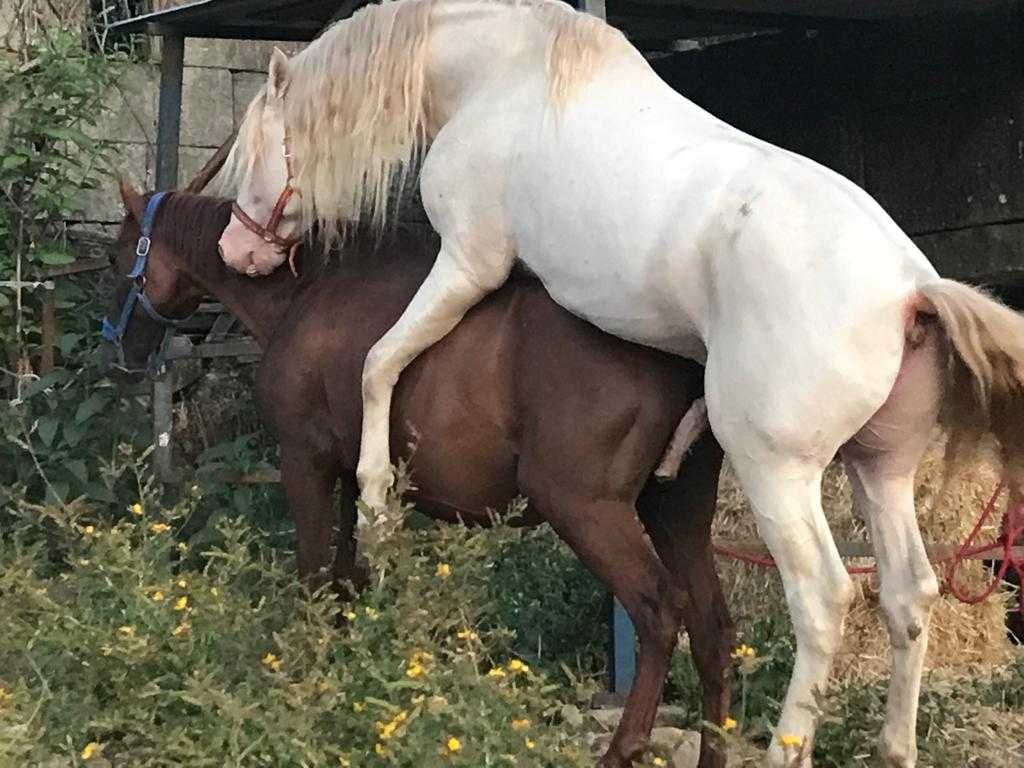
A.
pixel 486 48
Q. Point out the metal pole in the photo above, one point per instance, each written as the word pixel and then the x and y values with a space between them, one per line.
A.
pixel 593 7
pixel 622 654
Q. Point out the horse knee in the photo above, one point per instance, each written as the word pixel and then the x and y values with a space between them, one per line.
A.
pixel 379 374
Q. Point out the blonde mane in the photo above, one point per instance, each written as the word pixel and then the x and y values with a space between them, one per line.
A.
pixel 357 105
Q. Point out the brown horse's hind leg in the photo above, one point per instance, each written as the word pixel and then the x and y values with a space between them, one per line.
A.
pixel 608 538
pixel 678 518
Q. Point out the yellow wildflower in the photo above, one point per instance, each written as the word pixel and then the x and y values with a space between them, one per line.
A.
pixel 520 724
pixel 350 615
pixel 90 750
pixel 126 631
pixel 182 583
pixel 158 595
pixel 182 546
pixel 789 740
pixel 271 662
pixel 443 570
pixel 418 699
pixel 496 672
pixel 415 670
pixel 214 592
pixel 83 562
pixel 530 744
pixel 135 509
pixel 181 603
pixel 453 745
pixel 89 530
pixel 517 666
pixel 728 724
pixel 418 657
pixel 358 706
pixel 743 652
pixel 378 748
pixel 658 761
pixel 371 613
pixel 343 761
pixel 159 527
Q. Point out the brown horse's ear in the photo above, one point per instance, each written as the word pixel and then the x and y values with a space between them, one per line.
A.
pixel 278 77
pixel 134 205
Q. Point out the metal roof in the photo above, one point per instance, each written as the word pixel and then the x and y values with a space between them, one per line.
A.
pixel 641 20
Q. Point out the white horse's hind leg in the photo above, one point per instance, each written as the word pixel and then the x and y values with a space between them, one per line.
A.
pixel 881 461
pixel 786 497
pixel 452 287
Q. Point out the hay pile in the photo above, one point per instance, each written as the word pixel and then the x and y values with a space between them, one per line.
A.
pixel 962 636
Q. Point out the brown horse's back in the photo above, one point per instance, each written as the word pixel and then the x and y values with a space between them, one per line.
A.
pixel 519 396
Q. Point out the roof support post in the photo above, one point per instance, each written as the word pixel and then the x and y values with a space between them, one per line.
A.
pixel 168 127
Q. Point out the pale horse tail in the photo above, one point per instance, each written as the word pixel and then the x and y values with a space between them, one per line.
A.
pixel 984 391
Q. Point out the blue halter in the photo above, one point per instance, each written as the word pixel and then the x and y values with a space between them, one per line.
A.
pixel 136 294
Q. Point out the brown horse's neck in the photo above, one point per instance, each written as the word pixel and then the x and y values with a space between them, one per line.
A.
pixel 190 225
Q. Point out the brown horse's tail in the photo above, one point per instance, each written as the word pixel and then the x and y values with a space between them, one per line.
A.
pixel 985 372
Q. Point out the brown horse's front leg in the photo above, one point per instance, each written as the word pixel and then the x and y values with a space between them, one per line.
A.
pixel 308 483
pixel 611 543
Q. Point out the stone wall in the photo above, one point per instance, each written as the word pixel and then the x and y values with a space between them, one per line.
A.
pixel 220 78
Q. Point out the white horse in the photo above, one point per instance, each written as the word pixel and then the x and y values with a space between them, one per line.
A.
pixel 550 140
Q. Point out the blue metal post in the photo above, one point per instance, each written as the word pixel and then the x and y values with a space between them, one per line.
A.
pixel 622 654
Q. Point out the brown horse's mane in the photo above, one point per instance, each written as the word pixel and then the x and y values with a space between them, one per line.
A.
pixel 191 224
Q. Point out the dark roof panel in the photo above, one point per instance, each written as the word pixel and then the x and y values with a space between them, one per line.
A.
pixel 302 20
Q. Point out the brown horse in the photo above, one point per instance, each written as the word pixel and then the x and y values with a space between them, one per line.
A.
pixel 521 398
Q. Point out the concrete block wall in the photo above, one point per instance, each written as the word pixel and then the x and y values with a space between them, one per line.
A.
pixel 219 80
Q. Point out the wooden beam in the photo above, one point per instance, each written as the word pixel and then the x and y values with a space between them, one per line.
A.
pixel 163 424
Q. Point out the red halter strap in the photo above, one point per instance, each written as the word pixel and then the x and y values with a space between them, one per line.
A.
pixel 269 231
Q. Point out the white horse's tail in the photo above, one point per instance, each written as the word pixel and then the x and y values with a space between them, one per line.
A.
pixel 985 372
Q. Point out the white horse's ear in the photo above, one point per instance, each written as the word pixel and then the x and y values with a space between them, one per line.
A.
pixel 278 78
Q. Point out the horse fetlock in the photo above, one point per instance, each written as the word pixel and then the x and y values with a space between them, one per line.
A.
pixel 374 483
pixel 898 750
pixel 788 756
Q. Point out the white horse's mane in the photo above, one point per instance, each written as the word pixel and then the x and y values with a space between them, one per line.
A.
pixel 357 105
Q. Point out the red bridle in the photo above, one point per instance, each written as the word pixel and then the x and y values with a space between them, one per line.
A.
pixel 269 231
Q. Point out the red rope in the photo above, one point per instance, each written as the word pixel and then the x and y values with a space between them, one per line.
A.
pixel 1012 531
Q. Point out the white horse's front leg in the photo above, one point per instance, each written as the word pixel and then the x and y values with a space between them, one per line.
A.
pixel 452 287
pixel 786 496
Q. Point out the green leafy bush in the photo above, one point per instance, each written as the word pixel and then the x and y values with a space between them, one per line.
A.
pixel 119 636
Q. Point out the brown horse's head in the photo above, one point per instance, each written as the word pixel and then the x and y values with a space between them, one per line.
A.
pixel 153 292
